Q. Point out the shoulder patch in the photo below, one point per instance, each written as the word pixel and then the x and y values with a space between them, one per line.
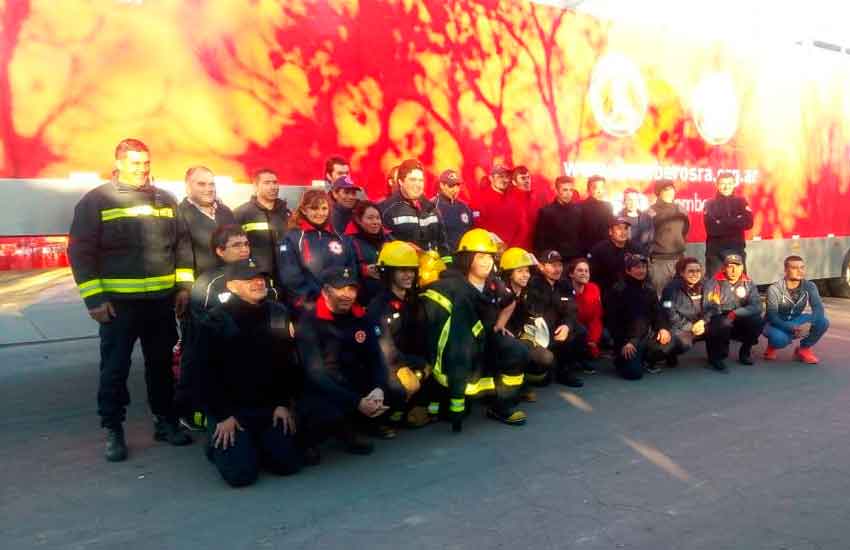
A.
pixel 668 304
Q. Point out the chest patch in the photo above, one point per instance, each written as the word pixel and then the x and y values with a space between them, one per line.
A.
pixel 360 336
pixel 741 292
pixel 335 247
pixel 464 217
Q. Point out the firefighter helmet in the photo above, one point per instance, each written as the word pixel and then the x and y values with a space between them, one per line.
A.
pixel 398 254
pixel 430 267
pixel 514 258
pixel 480 240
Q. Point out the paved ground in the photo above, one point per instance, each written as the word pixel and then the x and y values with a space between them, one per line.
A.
pixel 690 459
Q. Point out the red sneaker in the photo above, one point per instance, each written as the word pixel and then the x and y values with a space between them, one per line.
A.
pixel 769 354
pixel 806 355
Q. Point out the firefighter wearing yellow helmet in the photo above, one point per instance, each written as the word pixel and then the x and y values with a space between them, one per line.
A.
pixel 471 356
pixel 394 306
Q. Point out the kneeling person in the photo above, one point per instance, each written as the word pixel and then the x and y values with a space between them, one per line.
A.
pixel 639 327
pixel 787 299
pixel 682 299
pixel 249 379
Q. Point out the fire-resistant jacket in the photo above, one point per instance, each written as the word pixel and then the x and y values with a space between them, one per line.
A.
pixel 721 297
pixel 401 330
pixel 265 229
pixel 416 222
pixel 200 228
pixel 124 244
pixel 457 218
pixel 304 253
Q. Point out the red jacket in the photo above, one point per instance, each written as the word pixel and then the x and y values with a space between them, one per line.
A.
pixel 502 214
pixel 528 205
pixel 590 311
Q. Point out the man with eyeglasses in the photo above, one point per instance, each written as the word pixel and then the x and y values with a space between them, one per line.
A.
pixel 456 214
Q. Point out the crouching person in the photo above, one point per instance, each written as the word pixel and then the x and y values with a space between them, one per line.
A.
pixel 470 357
pixel 249 380
pixel 733 309
pixel 638 325
pixel 346 383
pixel 682 299
pixel 394 310
pixel 787 300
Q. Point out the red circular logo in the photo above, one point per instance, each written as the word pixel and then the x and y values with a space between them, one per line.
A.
pixel 360 336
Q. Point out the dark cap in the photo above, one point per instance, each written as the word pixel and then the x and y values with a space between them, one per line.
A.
pixel 339 277
pixel 449 177
pixel 243 270
pixel 500 170
pixel 733 259
pixel 661 185
pixel 344 182
pixel 635 259
pixel 550 256
pixel 619 220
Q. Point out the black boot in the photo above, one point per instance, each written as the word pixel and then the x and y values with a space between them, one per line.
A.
pixel 116 446
pixel 355 443
pixel 745 355
pixel 165 429
pixel 568 378
pixel 719 365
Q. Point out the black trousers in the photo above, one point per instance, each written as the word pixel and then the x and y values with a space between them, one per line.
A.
pixel 720 331
pixel 187 398
pixel 648 350
pixel 152 322
pixel 260 444
pixel 505 359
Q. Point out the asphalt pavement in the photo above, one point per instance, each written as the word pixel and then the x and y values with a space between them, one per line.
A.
pixel 687 459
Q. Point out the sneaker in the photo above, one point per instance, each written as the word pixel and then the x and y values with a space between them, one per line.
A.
pixel 567 378
pixel 528 395
pixel 719 365
pixel 806 355
pixel 587 368
pixel 509 417
pixel 672 360
pixel 651 368
pixel 116 446
pixel 745 355
pixel 769 354
pixel 195 423
pixel 383 431
pixel 168 431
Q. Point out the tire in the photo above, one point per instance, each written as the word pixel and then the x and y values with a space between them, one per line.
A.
pixel 839 287
pixel 824 287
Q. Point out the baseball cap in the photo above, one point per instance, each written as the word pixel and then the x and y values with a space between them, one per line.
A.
pixel 635 259
pixel 242 270
pixel 550 256
pixel 450 178
pixel 619 220
pixel 733 259
pixel 338 277
pixel 344 182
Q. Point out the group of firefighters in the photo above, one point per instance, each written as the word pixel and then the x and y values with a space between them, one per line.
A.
pixel 346 318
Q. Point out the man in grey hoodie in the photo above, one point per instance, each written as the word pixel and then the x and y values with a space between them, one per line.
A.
pixel 787 300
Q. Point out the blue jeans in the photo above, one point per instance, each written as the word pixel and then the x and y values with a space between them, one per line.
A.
pixel 778 338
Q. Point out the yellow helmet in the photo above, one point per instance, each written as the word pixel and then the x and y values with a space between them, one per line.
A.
pixel 430 267
pixel 398 254
pixel 514 258
pixel 480 240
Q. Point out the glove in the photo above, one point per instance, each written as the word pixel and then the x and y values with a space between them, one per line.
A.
pixel 408 380
pixel 731 315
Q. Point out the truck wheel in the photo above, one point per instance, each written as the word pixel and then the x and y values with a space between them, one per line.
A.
pixel 840 286
pixel 824 287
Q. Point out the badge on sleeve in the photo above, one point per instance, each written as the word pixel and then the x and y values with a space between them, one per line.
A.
pixel 464 217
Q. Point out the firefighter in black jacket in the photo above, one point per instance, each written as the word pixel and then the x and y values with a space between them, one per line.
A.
pixel 638 325
pixel 734 310
pixel 552 298
pixel 128 263
pixel 250 380
pixel 682 299
pixel 559 224
pixel 608 257
pixel 264 218
pixel 456 215
pixel 345 373
pixel 395 310
pixel 199 214
pixel 726 218
pixel 409 216
pixel 456 308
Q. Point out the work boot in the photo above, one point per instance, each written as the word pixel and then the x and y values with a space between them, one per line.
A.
pixel 568 378
pixel 769 354
pixel 116 446
pixel 165 429
pixel 355 443
pixel 745 354
pixel 195 423
pixel 806 355
pixel 719 365
pixel 511 417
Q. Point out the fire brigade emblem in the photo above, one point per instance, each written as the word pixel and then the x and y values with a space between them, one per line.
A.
pixel 464 217
pixel 618 95
pixel 714 108
pixel 335 247
pixel 360 336
pixel 740 292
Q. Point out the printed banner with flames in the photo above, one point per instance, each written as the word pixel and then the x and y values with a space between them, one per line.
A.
pixel 239 85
